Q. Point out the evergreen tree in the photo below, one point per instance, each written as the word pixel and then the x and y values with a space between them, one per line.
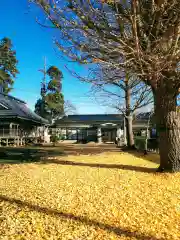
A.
pixel 54 97
pixel 41 108
pixel 8 65
pixel 51 103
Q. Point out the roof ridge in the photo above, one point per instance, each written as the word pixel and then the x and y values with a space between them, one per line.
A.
pixel 20 109
pixel 14 98
pixel 92 114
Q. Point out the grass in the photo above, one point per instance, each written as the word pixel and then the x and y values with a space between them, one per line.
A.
pixel 103 197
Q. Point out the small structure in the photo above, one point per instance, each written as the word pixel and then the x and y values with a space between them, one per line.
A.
pixel 98 127
pixel 17 121
pixel 95 127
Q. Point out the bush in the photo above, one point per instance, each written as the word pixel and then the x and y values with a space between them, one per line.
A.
pixel 62 137
pixel 141 141
pixel 54 139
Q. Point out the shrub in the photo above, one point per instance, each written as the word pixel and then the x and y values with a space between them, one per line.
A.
pixel 141 141
pixel 54 139
pixel 62 137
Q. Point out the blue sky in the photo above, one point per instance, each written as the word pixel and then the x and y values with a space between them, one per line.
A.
pixel 32 43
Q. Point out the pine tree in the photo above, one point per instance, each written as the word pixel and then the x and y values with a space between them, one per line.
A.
pixel 54 97
pixel 8 65
pixel 51 103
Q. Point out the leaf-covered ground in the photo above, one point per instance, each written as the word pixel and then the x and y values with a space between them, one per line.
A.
pixel 103 197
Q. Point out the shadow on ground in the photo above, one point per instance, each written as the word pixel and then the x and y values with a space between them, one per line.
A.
pixel 81 219
pixel 35 154
pixel 102 165
pixel 9 155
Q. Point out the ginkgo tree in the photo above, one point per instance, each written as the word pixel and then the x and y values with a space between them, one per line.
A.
pixel 119 90
pixel 140 36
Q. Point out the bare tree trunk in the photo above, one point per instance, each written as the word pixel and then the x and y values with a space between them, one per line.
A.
pixel 129 132
pixel 168 128
pixel 147 134
pixel 129 119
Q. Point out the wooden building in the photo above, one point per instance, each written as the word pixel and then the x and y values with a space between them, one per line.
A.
pixel 17 121
pixel 98 127
pixel 90 127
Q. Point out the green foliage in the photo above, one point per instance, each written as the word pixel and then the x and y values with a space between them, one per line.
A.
pixel 62 137
pixel 41 108
pixel 54 139
pixel 51 105
pixel 8 65
pixel 55 101
pixel 54 97
pixel 140 143
pixel 53 85
pixel 54 72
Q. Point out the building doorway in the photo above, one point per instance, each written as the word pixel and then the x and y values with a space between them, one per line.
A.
pixel 109 134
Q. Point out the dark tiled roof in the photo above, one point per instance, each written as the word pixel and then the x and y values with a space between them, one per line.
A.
pixel 17 108
pixel 100 118
pixel 144 116
pixel 91 117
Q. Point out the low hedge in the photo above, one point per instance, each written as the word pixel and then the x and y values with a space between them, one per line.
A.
pixel 141 141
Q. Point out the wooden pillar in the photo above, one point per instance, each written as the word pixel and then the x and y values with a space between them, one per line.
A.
pixel 77 135
pixel 66 133
pixel 10 129
pixel 118 132
pixel 125 134
pixel 17 130
pixel 99 135
pixel 118 136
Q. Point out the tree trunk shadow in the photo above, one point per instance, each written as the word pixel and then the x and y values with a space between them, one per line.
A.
pixel 81 219
pixel 102 165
